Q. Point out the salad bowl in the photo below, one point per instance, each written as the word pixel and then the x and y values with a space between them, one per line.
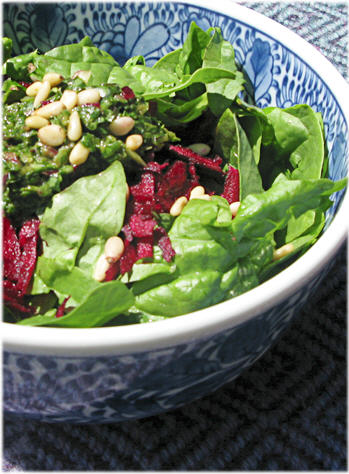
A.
pixel 108 374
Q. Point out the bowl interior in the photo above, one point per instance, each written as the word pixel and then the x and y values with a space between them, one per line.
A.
pixel 283 70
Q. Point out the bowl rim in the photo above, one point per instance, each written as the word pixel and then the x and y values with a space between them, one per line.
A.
pixel 66 342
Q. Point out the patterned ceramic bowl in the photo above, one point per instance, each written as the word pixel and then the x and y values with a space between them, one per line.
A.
pixel 111 374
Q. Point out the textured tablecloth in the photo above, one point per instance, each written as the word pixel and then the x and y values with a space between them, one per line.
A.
pixel 288 412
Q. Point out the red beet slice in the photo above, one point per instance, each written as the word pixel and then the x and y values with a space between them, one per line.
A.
pixel 128 259
pixel 142 226
pixel 127 93
pixel 28 240
pixel 145 189
pixel 11 251
pixel 61 308
pixel 17 304
pixel 167 250
pixel 145 247
pixel 213 164
pixel 231 191
pixel 112 271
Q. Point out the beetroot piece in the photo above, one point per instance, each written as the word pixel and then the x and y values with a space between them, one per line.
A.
pixel 61 308
pixel 17 304
pixel 28 240
pixel 127 231
pixel 112 271
pixel 20 256
pixel 127 93
pixel 144 190
pixel 145 247
pixel 231 191
pixel 172 184
pixel 93 104
pixel 167 250
pixel 142 226
pixel 213 164
pixel 128 258
pixel 11 251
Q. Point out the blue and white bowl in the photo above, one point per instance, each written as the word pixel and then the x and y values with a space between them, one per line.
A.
pixel 119 373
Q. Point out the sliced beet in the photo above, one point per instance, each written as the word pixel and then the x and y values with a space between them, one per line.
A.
pixel 213 164
pixel 145 247
pixel 61 308
pixel 127 93
pixel 17 304
pixel 145 189
pixel 11 251
pixel 166 246
pixel 112 271
pixel 142 226
pixel 28 240
pixel 231 191
pixel 128 258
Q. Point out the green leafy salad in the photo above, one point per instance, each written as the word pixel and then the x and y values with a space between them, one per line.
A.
pixel 133 193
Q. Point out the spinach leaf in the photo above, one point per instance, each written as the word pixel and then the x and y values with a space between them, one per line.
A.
pixel 204 247
pixel 82 217
pixel 65 282
pixel 99 306
pixel 192 52
pixel 68 59
pixel 307 159
pixel 19 67
pixel 6 48
pixel 220 54
pixel 261 215
pixel 231 140
pixel 176 114
pixel 158 83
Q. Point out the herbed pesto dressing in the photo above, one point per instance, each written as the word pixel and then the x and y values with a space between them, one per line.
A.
pixel 35 172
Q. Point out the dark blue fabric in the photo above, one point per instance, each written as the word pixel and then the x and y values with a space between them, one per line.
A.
pixel 288 412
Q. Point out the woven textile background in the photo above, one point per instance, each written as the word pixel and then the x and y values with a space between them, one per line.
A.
pixel 288 412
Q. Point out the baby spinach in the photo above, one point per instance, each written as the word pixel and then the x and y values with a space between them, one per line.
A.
pixel 99 306
pixel 75 228
pixel 232 142
pixel 280 154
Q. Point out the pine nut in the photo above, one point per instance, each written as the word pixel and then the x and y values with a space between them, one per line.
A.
pixel 35 121
pixel 84 75
pixel 234 207
pixel 89 96
pixel 113 249
pixel 69 99
pixel 127 192
pixel 200 148
pixel 53 78
pixel 42 94
pixel 121 126
pixel 133 142
pixel 101 268
pixel 79 154
pixel 204 197
pixel 178 206
pixel 197 192
pixel 283 251
pixel 33 89
pixel 74 126
pixel 51 109
pixel 52 135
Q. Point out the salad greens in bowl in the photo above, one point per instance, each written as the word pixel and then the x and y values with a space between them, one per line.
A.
pixel 166 212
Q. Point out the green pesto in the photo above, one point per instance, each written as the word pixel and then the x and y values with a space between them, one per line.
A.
pixel 34 172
